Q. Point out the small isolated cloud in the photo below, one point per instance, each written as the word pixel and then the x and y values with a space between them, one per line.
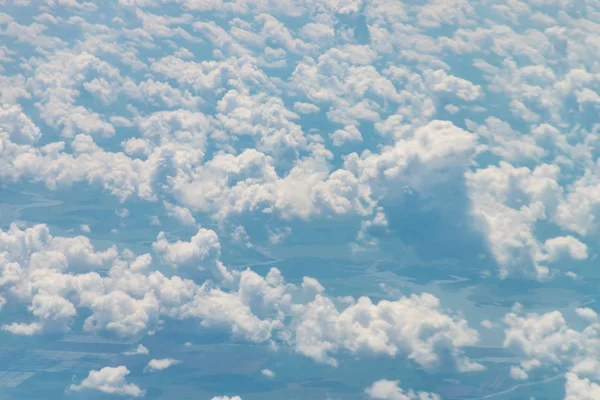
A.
pixel 487 324
pixel 140 350
pixel 268 373
pixel 109 380
pixel 227 398
pixel 160 364
pixel 122 212
pixel 18 328
pixel 389 390
pixel 85 228
pixel 518 373
pixel 572 275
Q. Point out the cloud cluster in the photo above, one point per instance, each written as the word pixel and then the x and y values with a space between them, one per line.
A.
pixel 132 299
pixel 546 341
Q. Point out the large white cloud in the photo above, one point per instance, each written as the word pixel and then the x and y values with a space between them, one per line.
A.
pixel 546 340
pixel 415 326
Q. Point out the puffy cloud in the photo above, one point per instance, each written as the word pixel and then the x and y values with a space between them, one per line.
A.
pixel 181 214
pixel 132 299
pixel 262 116
pixel 56 82
pixel 305 108
pixel 587 314
pixel 415 326
pixel 268 373
pixel 500 139
pixel 349 134
pixel 122 314
pixel 518 373
pixel 227 398
pixel 231 185
pixel 160 364
pixel 19 127
pixel 565 245
pixel 202 251
pixel 110 380
pixel 577 388
pixel 389 390
pixel 439 81
pixel 439 148
pixel 504 197
pixel 546 340
pixel 139 350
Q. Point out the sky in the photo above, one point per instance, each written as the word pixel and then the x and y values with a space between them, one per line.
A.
pixel 299 199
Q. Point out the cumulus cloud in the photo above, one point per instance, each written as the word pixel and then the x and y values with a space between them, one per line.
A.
pixel 202 251
pixel 160 364
pixel 546 340
pixel 390 390
pixel 109 380
pixel 227 398
pixel 132 299
pixel 505 197
pixel 139 350
pixel 347 135
pixel 415 326
pixel 268 373
pixel 261 127
pixel 578 388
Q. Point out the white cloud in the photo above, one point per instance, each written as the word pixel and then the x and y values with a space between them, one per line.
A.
pixel 504 198
pixel 440 81
pixel 139 350
pixel 349 134
pixel 518 373
pixel 572 275
pixel 202 251
pixel 390 390
pixel 268 373
pixel 588 314
pixel 18 328
pixel 546 340
pixel 109 380
pixel 160 364
pixel 119 313
pixel 565 245
pixel 305 108
pixel 580 388
pixel 487 324
pixel 131 300
pixel 227 398
pixel 18 125
pixel 239 235
pixel 181 214
pixel 122 212
pixel 414 326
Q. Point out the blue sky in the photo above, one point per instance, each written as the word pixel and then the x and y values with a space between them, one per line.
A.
pixel 267 200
